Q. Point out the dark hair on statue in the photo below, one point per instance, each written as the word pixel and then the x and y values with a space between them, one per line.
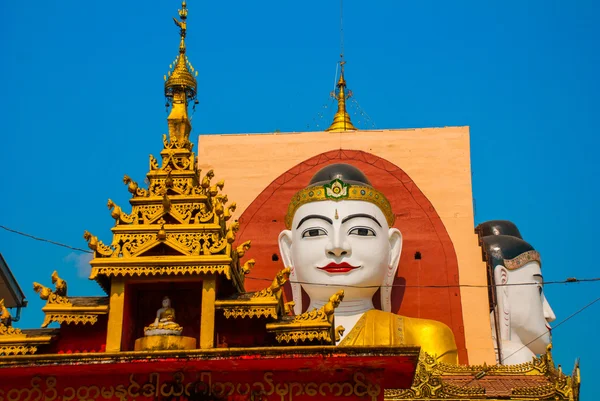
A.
pixel 499 240
pixel 342 171
pixel 497 227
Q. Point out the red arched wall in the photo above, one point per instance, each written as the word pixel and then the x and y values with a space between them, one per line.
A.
pixel 421 227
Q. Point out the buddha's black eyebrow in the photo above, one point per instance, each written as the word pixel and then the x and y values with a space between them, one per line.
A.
pixel 314 216
pixel 538 275
pixel 353 216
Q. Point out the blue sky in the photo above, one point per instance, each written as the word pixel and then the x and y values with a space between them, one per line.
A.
pixel 83 106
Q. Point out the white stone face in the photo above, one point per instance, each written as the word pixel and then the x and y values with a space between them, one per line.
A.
pixel 346 245
pixel 530 313
pixel 524 312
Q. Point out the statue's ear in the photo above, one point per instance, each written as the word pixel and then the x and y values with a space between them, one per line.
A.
pixel 285 249
pixel 500 280
pixel 395 238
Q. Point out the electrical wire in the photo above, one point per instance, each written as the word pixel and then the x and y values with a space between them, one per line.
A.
pixel 569 280
pixel 44 240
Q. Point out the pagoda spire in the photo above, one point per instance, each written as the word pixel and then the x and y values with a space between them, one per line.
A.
pixel 180 88
pixel 341 120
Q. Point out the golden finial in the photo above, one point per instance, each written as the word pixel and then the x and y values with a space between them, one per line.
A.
pixel 341 120
pixel 180 88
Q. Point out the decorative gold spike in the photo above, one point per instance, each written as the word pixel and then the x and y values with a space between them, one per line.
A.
pixel 243 248
pixel 162 234
pixel 341 120
pixel 248 266
pixel 288 308
pixel 5 317
pixel 276 287
pixel 60 285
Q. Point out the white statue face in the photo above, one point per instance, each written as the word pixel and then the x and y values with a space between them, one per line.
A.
pixel 342 244
pixel 530 312
pixel 166 303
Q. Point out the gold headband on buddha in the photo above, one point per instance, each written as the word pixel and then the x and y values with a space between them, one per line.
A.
pixel 522 260
pixel 338 190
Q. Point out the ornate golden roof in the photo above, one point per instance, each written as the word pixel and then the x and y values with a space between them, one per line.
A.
pixel 180 224
pixel 535 380
pixel 341 120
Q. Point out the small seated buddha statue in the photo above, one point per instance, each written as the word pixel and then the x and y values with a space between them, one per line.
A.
pixel 164 324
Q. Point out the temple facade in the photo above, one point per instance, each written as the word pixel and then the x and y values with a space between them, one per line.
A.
pixel 339 265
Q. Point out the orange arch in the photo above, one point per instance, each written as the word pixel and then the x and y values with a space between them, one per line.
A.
pixel 428 259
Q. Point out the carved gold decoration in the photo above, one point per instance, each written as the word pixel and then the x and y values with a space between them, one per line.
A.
pixel 9 330
pixel 249 311
pixel 303 335
pixel 69 318
pixel 276 287
pixel 118 214
pixel 60 285
pixel 248 266
pixel 133 271
pixel 433 380
pixel 97 246
pixel 5 316
pixel 6 350
pixel 325 314
pixel 288 307
pixel 315 325
pixel 48 295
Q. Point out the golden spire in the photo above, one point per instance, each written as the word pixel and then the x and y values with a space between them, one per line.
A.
pixel 341 120
pixel 180 88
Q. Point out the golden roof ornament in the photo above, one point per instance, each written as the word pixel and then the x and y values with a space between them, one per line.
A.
pixel 341 120
pixel 180 88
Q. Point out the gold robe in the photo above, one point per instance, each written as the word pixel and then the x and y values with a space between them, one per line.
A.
pixel 376 327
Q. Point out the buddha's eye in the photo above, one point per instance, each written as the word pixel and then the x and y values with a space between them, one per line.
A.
pixel 541 290
pixel 362 232
pixel 313 232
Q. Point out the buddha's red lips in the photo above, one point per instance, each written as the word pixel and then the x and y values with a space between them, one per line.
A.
pixel 338 267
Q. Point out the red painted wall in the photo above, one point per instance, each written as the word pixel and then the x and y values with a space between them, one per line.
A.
pixel 75 338
pixel 421 227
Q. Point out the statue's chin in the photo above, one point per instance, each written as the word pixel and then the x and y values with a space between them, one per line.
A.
pixel 321 293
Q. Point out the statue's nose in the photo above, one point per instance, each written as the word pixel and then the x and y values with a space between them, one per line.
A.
pixel 337 251
pixel 338 246
pixel 548 312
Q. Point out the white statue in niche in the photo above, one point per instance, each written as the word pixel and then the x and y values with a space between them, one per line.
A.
pixel 340 237
pixel 520 313
pixel 164 324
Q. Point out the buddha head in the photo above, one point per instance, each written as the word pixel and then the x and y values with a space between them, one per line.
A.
pixel 339 237
pixel 517 299
pixel 166 302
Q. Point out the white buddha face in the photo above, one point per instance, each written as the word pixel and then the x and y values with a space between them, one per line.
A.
pixel 345 244
pixel 530 313
pixel 166 303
